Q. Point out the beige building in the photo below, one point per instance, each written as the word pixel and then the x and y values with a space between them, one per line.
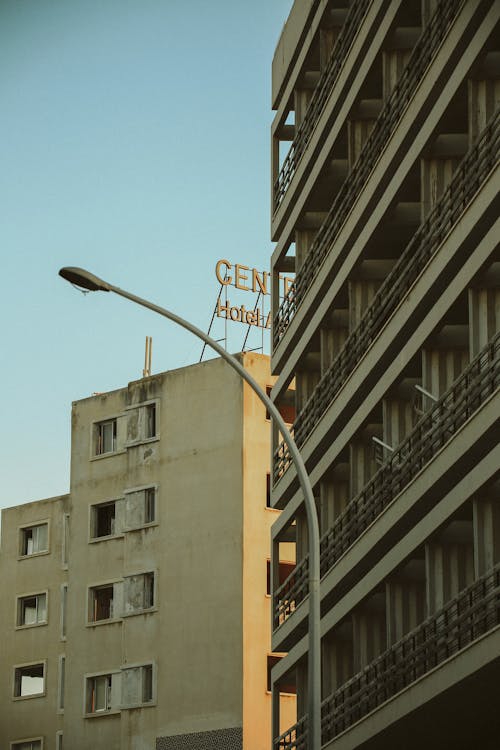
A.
pixel 385 205
pixel 136 609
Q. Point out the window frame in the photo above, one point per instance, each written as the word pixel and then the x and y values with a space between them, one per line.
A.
pixel 39 623
pixel 145 406
pixel 144 610
pixel 92 524
pixel 93 676
pixel 63 611
pixel 16 681
pixel 61 683
pixel 22 529
pixel 16 744
pixel 142 488
pixel 91 601
pixel 150 665
pixel 118 447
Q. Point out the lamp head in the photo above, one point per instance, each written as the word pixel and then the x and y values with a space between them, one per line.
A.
pixel 84 279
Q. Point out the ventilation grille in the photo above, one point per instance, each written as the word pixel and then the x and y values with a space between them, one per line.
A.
pixel 218 739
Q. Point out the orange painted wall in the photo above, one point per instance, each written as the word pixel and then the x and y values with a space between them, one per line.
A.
pixel 257 521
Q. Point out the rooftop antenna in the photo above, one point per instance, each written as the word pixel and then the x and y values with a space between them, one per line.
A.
pixel 147 357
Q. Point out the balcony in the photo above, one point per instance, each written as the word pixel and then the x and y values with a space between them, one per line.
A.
pixel 468 179
pixel 319 99
pixel 473 613
pixel 432 432
pixel 384 127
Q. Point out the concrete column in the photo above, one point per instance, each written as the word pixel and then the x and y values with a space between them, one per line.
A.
pixel 486 518
pixel 303 241
pixel 369 632
pixel 359 127
pixel 483 93
pixel 357 133
pixel 405 600
pixel 449 562
pixel 327 38
pixel 334 497
pixel 394 61
pixel 301 538
pixel 362 462
pixel 337 658
pixel 443 359
pixel 302 98
pixel 301 675
pixel 484 310
pixel 363 286
pixel 438 166
pixel 305 383
pixel 332 337
pixel 361 293
pixel 398 416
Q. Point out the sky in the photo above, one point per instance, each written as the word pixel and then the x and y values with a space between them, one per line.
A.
pixel 134 142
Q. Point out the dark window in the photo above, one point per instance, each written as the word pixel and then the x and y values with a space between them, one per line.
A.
pixel 150 420
pixel 103 520
pixel 101 603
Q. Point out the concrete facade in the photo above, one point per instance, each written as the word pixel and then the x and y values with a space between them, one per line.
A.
pixel 155 567
pixel 385 204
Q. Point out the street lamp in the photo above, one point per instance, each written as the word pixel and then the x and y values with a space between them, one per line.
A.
pixel 86 280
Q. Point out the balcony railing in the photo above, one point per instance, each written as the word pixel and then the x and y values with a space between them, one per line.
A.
pixel 474 386
pixel 343 44
pixel 289 595
pixel 385 125
pixel 468 178
pixel 474 612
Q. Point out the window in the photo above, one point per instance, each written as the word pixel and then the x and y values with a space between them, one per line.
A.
pixel 268 490
pixel 105 602
pixel 103 520
pixel 101 603
pixel 142 422
pixel 137 685
pixel 99 694
pixel 29 680
pixel 27 745
pixel 149 505
pixel 59 740
pixel 61 684
pixel 65 541
pixel 64 599
pixel 150 421
pixel 105 437
pixel 139 593
pixel 32 610
pixel 140 507
pixel 34 539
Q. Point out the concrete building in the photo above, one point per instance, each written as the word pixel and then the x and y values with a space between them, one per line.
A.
pixel 385 151
pixel 136 608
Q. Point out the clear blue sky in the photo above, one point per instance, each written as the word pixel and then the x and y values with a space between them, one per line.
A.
pixel 134 142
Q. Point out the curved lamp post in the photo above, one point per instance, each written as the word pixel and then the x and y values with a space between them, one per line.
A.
pixel 86 280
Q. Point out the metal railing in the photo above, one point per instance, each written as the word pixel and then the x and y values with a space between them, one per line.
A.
pixel 474 612
pixel 326 83
pixel 467 394
pixel 468 178
pixel 289 595
pixel 385 125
